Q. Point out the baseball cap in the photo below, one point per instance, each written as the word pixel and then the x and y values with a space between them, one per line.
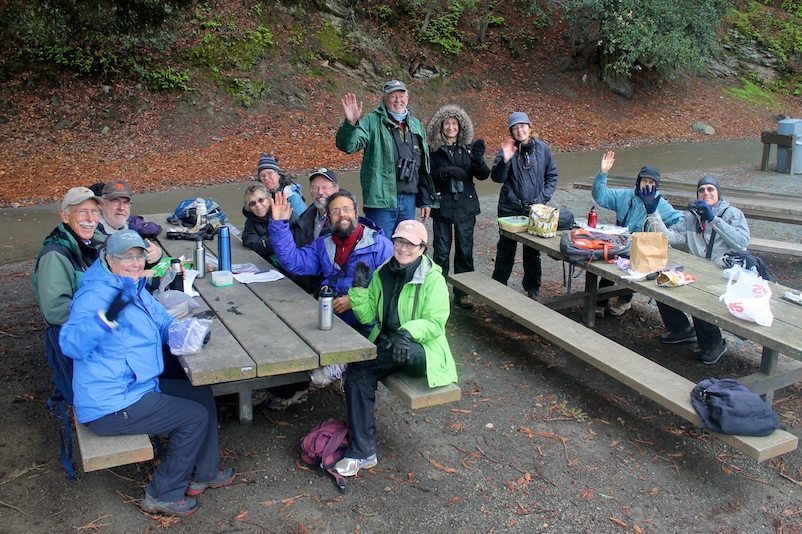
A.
pixel 326 173
pixel 124 240
pixel 394 85
pixel 518 117
pixel 413 231
pixel 117 189
pixel 76 195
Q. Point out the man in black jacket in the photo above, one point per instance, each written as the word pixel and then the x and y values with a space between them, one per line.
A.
pixel 526 169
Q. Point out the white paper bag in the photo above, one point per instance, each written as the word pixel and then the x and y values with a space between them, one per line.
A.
pixel 748 297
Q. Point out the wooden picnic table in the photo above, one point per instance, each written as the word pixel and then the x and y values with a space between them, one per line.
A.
pixel 764 205
pixel 266 333
pixel 700 299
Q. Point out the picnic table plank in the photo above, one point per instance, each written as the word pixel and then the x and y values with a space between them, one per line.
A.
pixel 101 452
pixel 648 378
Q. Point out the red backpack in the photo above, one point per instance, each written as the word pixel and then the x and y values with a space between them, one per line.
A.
pixel 325 445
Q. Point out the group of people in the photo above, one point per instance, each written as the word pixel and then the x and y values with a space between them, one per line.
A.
pixel 90 282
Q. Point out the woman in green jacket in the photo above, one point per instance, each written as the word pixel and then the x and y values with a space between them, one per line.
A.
pixel 407 298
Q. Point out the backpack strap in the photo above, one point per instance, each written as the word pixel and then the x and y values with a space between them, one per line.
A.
pixel 709 248
pixel 333 444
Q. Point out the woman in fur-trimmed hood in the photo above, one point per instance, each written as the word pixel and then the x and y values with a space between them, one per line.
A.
pixel 456 159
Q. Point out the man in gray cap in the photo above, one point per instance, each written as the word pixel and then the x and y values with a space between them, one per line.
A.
pixel 314 222
pixel 526 169
pixel 117 201
pixel 394 181
pixel 66 253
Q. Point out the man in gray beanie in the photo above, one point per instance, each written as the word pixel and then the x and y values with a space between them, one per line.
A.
pixel 526 169
pixel 710 228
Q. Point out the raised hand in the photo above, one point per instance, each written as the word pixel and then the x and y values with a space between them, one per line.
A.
pixel 154 252
pixel 280 209
pixel 352 108
pixel 478 152
pixel 508 149
pixel 608 159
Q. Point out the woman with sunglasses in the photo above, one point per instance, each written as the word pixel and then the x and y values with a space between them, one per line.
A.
pixel 407 301
pixel 256 234
pixel 711 228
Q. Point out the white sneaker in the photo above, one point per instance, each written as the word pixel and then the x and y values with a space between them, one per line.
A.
pixel 620 309
pixel 323 376
pixel 349 467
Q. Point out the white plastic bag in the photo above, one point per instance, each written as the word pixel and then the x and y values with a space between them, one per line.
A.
pixel 187 336
pixel 748 297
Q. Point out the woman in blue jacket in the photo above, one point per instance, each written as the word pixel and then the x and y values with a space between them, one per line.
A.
pixel 115 335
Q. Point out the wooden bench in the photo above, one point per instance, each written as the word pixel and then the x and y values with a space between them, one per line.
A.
pixel 653 381
pixel 416 393
pixel 101 452
pixel 762 205
pixel 769 138
pixel 771 246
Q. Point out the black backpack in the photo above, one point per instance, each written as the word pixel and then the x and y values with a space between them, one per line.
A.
pixel 748 261
pixel 728 407
pixel 582 246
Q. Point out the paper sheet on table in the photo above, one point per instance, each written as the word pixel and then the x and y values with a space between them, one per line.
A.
pixel 266 276
pixel 189 277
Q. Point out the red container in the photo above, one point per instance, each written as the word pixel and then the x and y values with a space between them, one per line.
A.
pixel 592 217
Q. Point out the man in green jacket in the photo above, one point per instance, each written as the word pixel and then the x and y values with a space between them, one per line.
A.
pixel 395 164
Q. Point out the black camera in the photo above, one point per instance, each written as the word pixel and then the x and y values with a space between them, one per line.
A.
pixel 693 208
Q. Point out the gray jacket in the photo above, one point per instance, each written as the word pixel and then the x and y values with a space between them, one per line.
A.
pixel 732 231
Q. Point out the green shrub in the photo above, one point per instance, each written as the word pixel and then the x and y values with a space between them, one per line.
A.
pixel 163 79
pixel 752 92
pixel 442 30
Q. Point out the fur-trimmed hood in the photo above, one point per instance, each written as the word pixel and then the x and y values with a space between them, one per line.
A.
pixel 434 131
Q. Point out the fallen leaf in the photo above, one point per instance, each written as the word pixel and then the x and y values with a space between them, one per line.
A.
pixel 587 494
pixel 618 522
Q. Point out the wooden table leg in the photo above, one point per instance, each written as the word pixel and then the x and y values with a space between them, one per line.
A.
pixel 591 287
pixel 764 162
pixel 768 365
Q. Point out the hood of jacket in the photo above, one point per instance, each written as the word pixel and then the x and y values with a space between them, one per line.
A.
pixel 434 130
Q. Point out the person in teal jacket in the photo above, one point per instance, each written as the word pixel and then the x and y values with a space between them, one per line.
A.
pixel 395 164
pixel 114 336
pixel 407 298
pixel 630 212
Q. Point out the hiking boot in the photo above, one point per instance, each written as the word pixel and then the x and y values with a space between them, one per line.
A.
pixel 224 478
pixel 686 336
pixel 621 308
pixel 278 403
pixel 463 302
pixel 183 508
pixel 713 355
pixel 323 376
pixel 349 467
pixel 532 293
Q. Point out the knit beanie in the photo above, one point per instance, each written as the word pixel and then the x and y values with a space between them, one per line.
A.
pixel 709 179
pixel 518 117
pixel 648 171
pixel 267 161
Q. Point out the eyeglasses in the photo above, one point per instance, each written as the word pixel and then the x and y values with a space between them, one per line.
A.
pixel 337 211
pixel 85 212
pixel 260 200
pixel 403 244
pixel 316 188
pixel 122 202
pixel 130 258
pixel 706 189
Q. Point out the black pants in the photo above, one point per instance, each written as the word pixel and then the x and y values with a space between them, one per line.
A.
pixel 361 381
pixel 603 282
pixel 505 258
pixel 707 335
pixel 462 234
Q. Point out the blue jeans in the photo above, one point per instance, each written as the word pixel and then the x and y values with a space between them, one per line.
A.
pixel 388 218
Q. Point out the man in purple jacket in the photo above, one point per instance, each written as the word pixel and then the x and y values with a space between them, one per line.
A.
pixel 334 257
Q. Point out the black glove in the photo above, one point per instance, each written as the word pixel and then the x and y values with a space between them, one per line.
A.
pixel 458 173
pixel 478 152
pixel 362 275
pixel 401 343
pixel 649 197
pixel 116 307
pixel 703 210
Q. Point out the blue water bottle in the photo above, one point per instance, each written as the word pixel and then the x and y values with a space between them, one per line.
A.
pixel 223 249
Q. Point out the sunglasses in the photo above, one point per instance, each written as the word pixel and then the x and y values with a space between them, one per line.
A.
pixel 706 189
pixel 260 200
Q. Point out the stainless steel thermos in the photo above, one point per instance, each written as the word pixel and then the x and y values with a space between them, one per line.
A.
pixel 325 316
pixel 223 249
pixel 178 281
pixel 199 257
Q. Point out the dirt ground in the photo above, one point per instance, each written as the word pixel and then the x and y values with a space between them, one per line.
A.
pixel 540 441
